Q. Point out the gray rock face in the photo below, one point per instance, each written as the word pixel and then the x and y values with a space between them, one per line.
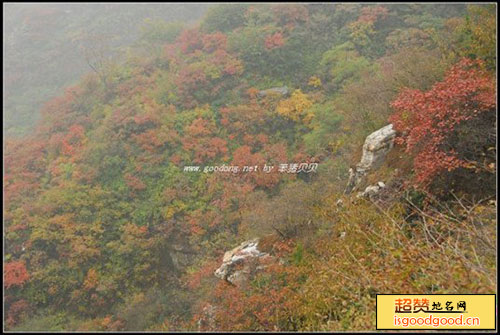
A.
pixel 275 90
pixel 375 149
pixel 240 263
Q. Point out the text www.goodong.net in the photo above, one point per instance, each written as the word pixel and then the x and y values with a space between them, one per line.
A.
pixel 436 321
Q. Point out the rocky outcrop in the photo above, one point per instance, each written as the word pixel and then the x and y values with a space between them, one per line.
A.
pixel 241 263
pixel 371 191
pixel 375 149
pixel 238 267
pixel 283 91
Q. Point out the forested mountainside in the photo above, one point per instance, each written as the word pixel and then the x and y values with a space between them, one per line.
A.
pixel 45 47
pixel 106 229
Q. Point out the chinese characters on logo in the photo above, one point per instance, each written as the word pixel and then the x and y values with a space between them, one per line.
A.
pixel 424 305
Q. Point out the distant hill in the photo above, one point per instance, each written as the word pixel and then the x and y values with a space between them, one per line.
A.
pixel 42 47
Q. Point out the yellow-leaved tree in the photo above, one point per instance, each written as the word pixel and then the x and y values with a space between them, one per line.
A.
pixel 296 107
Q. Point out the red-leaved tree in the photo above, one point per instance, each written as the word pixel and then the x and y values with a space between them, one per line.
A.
pixel 451 127
pixel 15 274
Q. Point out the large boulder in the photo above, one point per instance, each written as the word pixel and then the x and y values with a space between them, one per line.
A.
pixel 240 264
pixel 375 149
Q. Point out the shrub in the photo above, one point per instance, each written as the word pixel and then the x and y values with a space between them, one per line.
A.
pixel 451 126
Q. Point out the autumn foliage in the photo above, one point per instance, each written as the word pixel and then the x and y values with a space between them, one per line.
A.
pixel 428 121
pixel 296 107
pixel 108 229
pixel 274 41
pixel 15 274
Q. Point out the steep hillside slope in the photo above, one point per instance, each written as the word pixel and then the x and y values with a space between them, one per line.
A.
pixel 115 218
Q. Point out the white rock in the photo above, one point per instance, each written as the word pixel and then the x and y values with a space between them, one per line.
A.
pixel 375 149
pixel 376 146
pixel 370 190
pixel 241 255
